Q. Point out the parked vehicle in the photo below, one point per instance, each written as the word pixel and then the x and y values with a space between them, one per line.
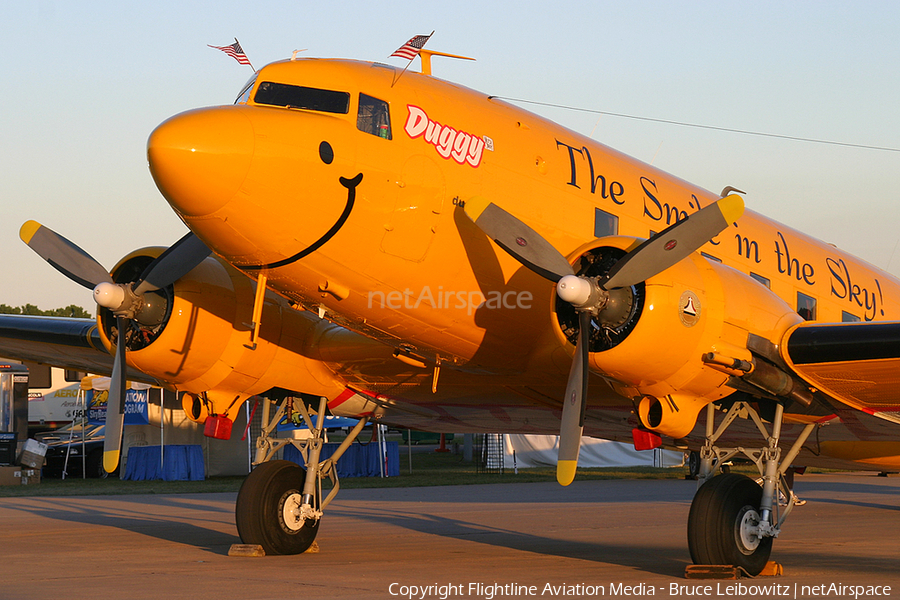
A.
pixel 84 446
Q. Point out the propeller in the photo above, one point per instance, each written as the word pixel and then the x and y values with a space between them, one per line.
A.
pixel 127 301
pixel 591 296
pixel 115 404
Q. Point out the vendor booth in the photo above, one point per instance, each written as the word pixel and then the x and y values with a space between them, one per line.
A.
pixel 159 441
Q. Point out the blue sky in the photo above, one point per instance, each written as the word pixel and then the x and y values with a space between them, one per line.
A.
pixel 86 82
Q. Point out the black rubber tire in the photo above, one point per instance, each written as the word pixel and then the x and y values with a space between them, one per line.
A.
pixel 258 511
pixel 714 524
pixel 694 464
pixel 94 465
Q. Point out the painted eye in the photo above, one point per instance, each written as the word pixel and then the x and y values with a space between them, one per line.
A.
pixel 326 153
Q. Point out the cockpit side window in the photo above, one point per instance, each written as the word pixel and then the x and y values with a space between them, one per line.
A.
pixel 374 117
pixel 295 96
pixel 245 91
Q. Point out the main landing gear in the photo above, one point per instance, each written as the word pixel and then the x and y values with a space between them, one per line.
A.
pixel 734 519
pixel 280 504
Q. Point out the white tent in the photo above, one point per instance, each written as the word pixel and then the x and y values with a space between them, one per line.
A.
pixel 540 451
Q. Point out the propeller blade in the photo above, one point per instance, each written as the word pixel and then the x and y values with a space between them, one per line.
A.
pixel 574 404
pixel 173 264
pixel 518 239
pixel 674 243
pixel 63 255
pixel 115 404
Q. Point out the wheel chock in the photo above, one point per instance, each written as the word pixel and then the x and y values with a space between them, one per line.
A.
pixel 772 569
pixel 246 550
pixel 257 550
pixel 712 572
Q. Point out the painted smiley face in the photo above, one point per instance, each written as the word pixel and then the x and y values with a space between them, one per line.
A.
pixel 326 153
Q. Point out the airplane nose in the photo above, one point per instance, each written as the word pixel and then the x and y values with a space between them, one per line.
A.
pixel 199 159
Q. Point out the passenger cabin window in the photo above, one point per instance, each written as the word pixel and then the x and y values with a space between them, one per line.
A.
pixel 710 257
pixel 295 96
pixel 605 223
pixel 849 317
pixel 373 117
pixel 763 280
pixel 806 306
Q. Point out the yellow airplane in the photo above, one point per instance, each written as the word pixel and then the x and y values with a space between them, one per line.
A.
pixel 418 253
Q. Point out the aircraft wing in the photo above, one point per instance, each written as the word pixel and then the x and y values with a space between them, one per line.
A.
pixel 855 363
pixel 57 341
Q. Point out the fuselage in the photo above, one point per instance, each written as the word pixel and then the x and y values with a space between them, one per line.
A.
pixel 345 184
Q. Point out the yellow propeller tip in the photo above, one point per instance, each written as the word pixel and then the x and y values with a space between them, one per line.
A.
pixel 28 229
pixel 475 206
pixel 732 207
pixel 110 461
pixel 565 471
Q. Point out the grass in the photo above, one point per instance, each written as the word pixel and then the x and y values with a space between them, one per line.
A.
pixel 428 469
pixel 113 486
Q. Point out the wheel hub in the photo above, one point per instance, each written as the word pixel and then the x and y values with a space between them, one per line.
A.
pixel 291 514
pixel 747 530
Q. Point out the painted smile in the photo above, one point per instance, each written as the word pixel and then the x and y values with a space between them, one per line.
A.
pixel 351 185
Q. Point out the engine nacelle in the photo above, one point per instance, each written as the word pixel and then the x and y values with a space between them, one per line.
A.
pixel 203 344
pixel 652 352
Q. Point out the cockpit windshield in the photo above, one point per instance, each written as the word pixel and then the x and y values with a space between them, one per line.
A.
pixel 245 91
pixel 374 117
pixel 295 96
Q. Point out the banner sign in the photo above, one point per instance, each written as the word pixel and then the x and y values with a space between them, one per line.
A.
pixel 135 406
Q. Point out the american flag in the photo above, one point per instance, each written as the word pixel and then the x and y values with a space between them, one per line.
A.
pixel 410 49
pixel 234 51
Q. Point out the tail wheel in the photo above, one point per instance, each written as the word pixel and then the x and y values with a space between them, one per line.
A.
pixel 721 524
pixel 267 505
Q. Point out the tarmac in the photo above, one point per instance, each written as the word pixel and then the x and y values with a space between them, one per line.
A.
pixel 592 539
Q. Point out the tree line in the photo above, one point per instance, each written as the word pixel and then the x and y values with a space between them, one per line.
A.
pixel 30 309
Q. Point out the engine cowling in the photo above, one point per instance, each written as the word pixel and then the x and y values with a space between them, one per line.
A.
pixel 201 342
pixel 651 346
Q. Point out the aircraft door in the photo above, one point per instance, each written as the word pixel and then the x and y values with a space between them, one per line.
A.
pixel 414 221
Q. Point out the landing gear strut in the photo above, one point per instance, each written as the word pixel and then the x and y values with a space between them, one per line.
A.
pixel 733 519
pixel 280 504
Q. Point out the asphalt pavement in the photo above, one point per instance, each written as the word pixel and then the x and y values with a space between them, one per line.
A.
pixel 592 539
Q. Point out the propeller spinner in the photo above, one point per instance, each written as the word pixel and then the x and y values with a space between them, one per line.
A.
pixel 127 301
pixel 590 296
